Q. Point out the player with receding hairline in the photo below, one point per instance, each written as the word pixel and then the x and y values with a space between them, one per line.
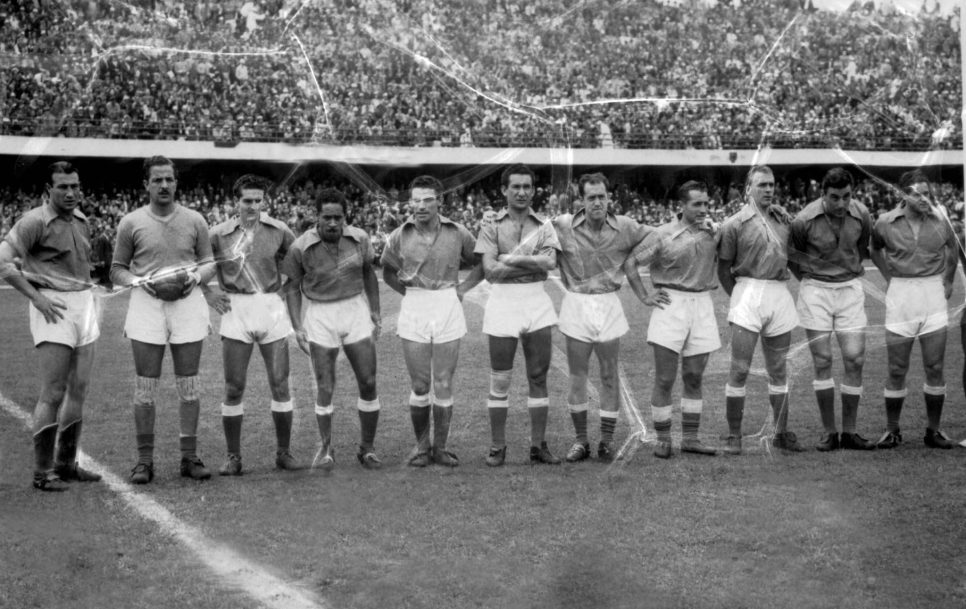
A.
pixel 332 296
pixel 594 243
pixel 681 257
pixel 422 261
pixel 54 243
pixel 248 249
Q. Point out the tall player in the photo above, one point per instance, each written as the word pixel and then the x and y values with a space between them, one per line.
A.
pixel 163 252
pixel 332 294
pixel 753 270
pixel 681 257
pixel 594 244
pixel 248 249
pixel 915 249
pixel 422 261
pixel 519 248
pixel 829 240
pixel 54 243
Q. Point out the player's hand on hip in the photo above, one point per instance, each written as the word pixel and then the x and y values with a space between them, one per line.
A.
pixel 302 338
pixel 658 299
pixel 50 308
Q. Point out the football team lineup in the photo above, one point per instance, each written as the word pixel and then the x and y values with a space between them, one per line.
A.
pixel 322 287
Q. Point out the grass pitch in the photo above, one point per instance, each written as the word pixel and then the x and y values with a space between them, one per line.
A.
pixel 879 529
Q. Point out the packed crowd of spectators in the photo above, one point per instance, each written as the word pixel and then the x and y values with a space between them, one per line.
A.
pixel 381 212
pixel 482 73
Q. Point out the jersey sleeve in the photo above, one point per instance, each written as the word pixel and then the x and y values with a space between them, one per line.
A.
pixel 203 252
pixel 391 254
pixel 728 241
pixel 486 242
pixel 291 265
pixel 25 234
pixel 649 248
pixel 467 246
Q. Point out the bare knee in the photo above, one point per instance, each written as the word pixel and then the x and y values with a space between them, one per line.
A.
pixel 234 391
pixel 691 381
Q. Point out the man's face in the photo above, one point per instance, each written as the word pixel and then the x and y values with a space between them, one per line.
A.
pixel 695 209
pixel 161 185
pixel 424 205
pixel 519 191
pixel 761 189
pixel 595 200
pixel 64 192
pixel 250 203
pixel 836 201
pixel 331 221
pixel 918 197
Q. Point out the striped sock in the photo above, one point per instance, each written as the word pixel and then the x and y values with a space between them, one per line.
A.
pixel 608 422
pixel 691 417
pixel 661 415
pixel 578 414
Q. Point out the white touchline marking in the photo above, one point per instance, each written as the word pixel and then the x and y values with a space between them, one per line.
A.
pixel 233 570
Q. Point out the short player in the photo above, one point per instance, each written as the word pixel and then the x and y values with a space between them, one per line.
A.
pixel 54 243
pixel 681 257
pixel 332 294
pixel 593 246
pixel 422 261
pixel 753 270
pixel 829 240
pixel 915 249
pixel 519 248
pixel 163 254
pixel 248 249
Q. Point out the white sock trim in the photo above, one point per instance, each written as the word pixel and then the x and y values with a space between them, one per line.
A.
pixel 734 392
pixel 895 393
pixel 498 403
pixel 691 405
pixel 777 389
pixel 367 405
pixel 236 410
pixel 660 413
pixel 609 414
pixel 576 408
pixel 819 385
pixel 447 403
pixel 288 406
pixel 850 390
pixel 324 410
pixel 419 401
pixel 934 390
pixel 538 402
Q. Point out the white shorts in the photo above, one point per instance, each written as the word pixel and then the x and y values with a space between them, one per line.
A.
pixel 342 322
pixel 916 306
pixel 256 318
pixel 687 326
pixel 79 326
pixel 826 306
pixel 514 309
pixel 431 316
pixel 592 318
pixel 154 321
pixel 764 306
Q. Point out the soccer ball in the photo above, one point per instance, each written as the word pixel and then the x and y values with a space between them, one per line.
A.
pixel 169 285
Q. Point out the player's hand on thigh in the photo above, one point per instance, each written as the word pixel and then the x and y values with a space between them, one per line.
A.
pixel 218 301
pixel 302 338
pixel 50 308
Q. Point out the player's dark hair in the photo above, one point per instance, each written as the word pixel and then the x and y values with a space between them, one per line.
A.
pixel 251 181
pixel 517 170
pixel 158 161
pixel 837 177
pixel 756 170
pixel 592 178
pixel 331 195
pixel 60 167
pixel 684 189
pixel 429 182
pixel 916 176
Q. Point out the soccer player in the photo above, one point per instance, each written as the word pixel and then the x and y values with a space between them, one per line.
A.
pixel 593 246
pixel 54 243
pixel 753 270
pixel 681 257
pixel 518 249
pixel 248 249
pixel 915 249
pixel 332 294
pixel 422 261
pixel 829 240
pixel 163 253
